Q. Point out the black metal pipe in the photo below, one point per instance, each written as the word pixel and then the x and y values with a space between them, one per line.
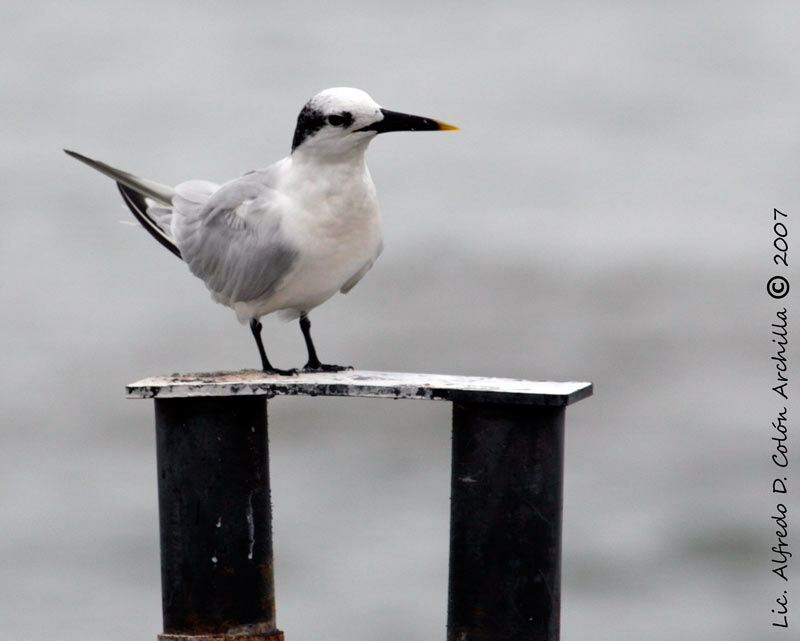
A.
pixel 505 522
pixel 215 517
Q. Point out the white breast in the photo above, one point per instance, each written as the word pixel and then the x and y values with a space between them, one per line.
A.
pixel 332 218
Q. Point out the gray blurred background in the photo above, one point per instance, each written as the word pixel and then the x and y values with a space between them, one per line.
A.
pixel 604 214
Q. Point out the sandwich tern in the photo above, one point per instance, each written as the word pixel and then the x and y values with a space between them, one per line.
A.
pixel 287 237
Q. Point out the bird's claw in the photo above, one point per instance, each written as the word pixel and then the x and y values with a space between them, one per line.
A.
pixel 323 367
pixel 281 372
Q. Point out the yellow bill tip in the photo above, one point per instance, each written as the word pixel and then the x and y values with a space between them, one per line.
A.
pixel 445 126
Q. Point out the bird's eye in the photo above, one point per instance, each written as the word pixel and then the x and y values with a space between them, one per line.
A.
pixel 336 120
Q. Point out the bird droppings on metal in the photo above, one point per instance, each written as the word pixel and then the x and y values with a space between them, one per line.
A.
pixel 251 528
pixel 363 383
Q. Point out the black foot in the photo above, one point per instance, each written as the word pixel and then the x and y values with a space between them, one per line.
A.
pixel 313 364
pixel 322 367
pixel 280 372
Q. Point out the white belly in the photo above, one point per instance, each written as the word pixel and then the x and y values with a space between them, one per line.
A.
pixel 335 237
pixel 325 264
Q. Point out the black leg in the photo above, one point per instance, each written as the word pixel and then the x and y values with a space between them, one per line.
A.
pixel 313 364
pixel 255 327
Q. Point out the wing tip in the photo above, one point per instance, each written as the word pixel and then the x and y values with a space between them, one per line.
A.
pixel 84 159
pixel 138 208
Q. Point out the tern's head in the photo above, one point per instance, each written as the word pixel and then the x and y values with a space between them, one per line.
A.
pixel 339 121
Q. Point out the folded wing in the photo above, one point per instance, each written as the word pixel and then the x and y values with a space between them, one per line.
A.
pixel 229 235
pixel 232 238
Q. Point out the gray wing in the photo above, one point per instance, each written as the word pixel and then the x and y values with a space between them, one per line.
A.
pixel 233 240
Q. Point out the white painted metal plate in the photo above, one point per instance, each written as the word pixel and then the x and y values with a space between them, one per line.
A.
pixel 363 383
